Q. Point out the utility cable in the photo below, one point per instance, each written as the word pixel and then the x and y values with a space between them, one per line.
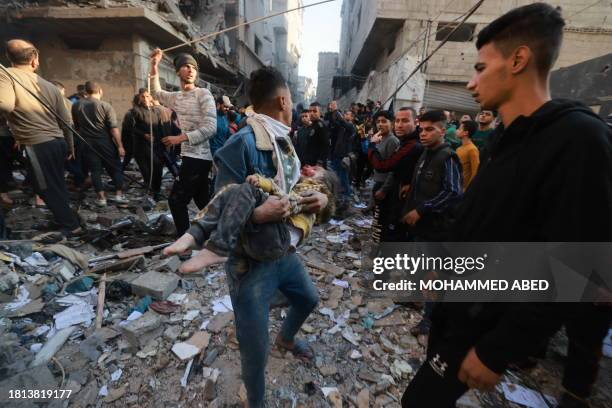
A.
pixel 426 59
pixel 67 125
pixel 216 33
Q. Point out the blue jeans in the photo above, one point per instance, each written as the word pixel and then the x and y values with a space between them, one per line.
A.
pixel 252 286
pixel 343 175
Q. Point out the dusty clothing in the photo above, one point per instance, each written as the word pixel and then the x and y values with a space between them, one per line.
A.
pixel 197 115
pixel 46 165
pixel 30 122
pixel 93 118
pixel 225 222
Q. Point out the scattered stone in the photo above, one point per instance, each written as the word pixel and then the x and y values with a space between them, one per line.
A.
pixel 169 265
pixel 35 378
pixel 140 331
pixel 306 328
pixel 116 393
pixel 192 347
pixel 363 398
pixel 172 333
pixel 328 370
pixel 218 322
pixel 209 392
pixel 355 355
pixel 155 284
pixel 367 375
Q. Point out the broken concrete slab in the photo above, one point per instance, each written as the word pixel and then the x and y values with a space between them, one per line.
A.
pixel 34 378
pixel 192 347
pixel 170 265
pixel 52 346
pixel 155 284
pixel 140 331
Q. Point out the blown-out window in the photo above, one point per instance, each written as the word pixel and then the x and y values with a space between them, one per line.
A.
pixel 463 34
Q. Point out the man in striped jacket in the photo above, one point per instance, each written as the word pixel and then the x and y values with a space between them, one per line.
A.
pixel 197 114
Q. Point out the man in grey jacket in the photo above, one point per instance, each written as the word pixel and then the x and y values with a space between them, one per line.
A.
pixel 197 114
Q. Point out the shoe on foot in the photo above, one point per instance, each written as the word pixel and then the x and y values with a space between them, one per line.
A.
pixel 101 202
pixel 119 199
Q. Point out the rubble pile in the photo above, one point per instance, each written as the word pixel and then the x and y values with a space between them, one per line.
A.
pixel 107 318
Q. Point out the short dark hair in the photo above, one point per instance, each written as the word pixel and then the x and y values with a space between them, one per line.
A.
pixel 81 88
pixel 263 85
pixel 304 111
pixel 20 55
pixel 470 126
pixel 538 25
pixel 384 113
pixel 92 87
pixel 409 108
pixel 315 103
pixel 219 100
pixel 434 116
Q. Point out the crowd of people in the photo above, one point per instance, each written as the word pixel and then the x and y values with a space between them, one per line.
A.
pixel 525 168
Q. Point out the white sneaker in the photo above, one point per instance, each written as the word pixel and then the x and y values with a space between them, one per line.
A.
pixel 101 202
pixel 119 199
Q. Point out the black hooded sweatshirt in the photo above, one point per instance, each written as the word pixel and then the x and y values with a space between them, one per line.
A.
pixel 547 178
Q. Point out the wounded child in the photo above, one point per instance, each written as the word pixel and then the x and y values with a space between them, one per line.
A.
pixel 224 224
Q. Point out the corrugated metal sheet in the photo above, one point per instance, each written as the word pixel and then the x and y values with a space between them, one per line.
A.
pixel 449 96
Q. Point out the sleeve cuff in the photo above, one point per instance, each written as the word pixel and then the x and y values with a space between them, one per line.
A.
pixel 422 210
pixel 490 358
pixel 197 233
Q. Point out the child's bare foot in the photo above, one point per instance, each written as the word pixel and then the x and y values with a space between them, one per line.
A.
pixel 203 259
pixel 181 245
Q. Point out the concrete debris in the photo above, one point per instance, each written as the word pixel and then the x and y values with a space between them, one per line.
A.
pixel 155 284
pixel 365 355
pixel 140 331
pixel 192 347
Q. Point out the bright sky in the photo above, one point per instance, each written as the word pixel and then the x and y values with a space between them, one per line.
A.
pixel 320 32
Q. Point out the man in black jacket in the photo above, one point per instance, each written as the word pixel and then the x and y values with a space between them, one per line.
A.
pixel 401 164
pixel 546 178
pixel 317 149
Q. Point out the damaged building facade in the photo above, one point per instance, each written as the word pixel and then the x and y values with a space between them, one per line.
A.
pixel 110 41
pixel 306 91
pixel 327 69
pixel 382 41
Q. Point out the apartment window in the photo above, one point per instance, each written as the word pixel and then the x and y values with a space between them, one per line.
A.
pixel 257 45
pixel 463 34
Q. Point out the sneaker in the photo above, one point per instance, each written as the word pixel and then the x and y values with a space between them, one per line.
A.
pixel 101 202
pixel 119 199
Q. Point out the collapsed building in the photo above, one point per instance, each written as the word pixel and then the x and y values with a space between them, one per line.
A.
pixel 110 41
pixel 382 41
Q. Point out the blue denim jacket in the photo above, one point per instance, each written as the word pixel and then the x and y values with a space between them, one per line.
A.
pixel 239 158
pixel 223 133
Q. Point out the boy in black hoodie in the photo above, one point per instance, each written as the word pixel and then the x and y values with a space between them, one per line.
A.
pixel 546 178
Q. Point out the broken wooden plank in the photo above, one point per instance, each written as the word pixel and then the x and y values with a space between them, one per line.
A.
pixel 119 265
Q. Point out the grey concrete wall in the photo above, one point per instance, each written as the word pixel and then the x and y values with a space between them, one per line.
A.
pixel 112 65
pixel 327 68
